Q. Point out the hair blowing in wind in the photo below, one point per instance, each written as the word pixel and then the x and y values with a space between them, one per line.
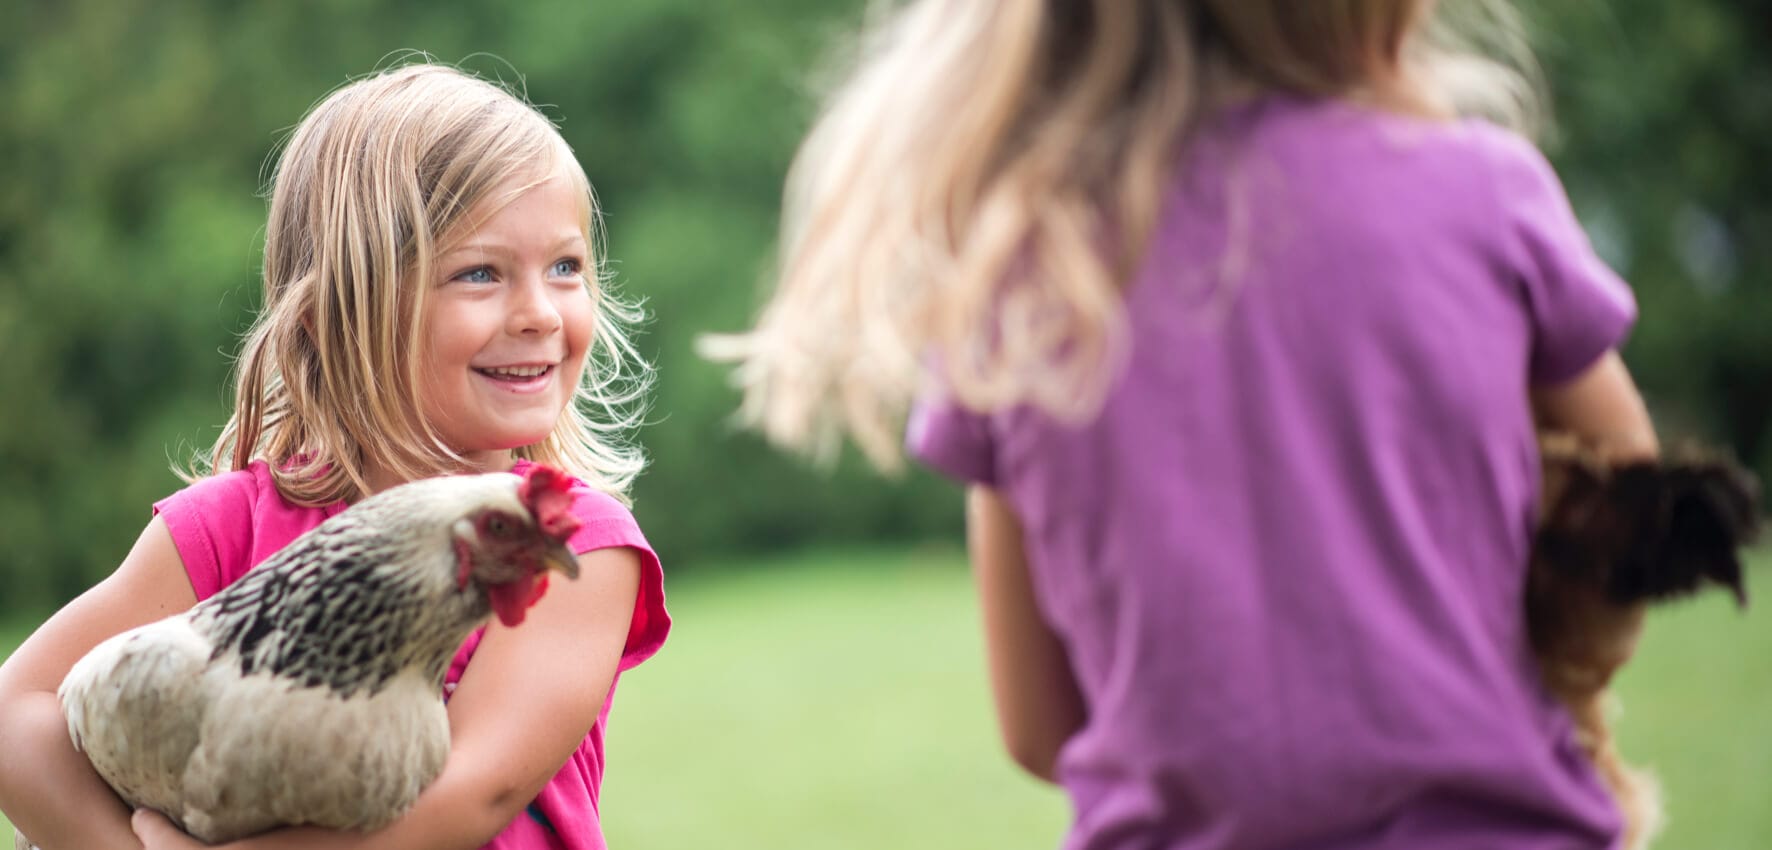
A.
pixel 980 188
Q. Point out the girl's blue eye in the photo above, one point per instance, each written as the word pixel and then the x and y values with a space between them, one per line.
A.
pixel 566 268
pixel 481 274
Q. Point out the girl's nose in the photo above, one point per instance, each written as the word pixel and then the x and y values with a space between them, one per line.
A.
pixel 533 310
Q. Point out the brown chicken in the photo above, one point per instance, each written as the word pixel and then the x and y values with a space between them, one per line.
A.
pixel 310 691
pixel 1613 539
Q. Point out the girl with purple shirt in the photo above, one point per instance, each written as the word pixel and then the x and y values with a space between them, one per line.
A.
pixel 1237 323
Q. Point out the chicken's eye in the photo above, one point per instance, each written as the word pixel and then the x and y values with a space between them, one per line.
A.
pixel 499 526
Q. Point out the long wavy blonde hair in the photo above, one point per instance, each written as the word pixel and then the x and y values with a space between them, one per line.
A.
pixel 365 190
pixel 981 185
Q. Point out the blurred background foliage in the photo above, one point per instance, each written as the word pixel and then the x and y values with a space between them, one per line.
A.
pixel 135 136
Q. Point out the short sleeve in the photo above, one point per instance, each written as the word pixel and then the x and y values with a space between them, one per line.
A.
pixel 605 523
pixel 1580 308
pixel 952 440
pixel 204 519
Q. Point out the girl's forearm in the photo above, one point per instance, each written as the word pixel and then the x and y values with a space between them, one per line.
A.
pixel 48 789
pixel 448 815
pixel 1603 408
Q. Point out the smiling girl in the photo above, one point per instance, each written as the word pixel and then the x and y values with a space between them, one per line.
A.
pixel 433 305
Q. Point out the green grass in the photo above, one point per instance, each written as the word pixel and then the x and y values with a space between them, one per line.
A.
pixel 831 701
pixel 1697 710
pixel 839 700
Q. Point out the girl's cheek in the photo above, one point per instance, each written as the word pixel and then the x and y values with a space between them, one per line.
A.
pixel 582 325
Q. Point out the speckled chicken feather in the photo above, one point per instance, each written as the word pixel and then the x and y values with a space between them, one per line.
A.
pixel 324 611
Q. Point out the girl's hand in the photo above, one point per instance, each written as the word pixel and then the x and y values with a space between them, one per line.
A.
pixel 158 833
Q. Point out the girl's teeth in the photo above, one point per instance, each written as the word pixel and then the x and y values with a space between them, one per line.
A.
pixel 517 371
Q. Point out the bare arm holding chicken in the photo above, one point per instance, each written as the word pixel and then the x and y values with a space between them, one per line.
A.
pixel 1601 409
pixel 64 802
pixel 1620 528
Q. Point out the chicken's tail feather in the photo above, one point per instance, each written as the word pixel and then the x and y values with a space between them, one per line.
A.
pixel 1648 531
pixel 1696 514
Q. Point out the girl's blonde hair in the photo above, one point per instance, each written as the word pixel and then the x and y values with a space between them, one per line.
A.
pixel 369 186
pixel 981 187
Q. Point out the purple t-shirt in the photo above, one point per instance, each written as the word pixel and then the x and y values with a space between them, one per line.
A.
pixel 225 525
pixel 1286 559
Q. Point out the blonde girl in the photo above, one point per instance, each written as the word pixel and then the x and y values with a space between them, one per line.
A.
pixel 433 304
pixel 1236 323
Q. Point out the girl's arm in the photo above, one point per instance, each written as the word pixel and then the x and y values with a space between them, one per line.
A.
pixel 1038 704
pixel 528 699
pixel 1602 408
pixel 47 788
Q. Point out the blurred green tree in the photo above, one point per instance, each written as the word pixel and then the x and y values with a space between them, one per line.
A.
pixel 136 141
pixel 1664 127
pixel 134 138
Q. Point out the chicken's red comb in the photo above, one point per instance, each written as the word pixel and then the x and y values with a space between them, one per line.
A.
pixel 547 493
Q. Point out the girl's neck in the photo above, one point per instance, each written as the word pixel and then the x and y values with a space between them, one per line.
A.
pixel 1395 97
pixel 499 460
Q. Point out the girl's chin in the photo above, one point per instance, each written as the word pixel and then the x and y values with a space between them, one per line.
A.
pixel 475 429
pixel 506 441
pixel 519 442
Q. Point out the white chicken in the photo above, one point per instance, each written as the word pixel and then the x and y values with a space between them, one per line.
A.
pixel 310 691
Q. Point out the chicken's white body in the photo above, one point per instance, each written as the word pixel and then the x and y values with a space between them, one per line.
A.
pixel 176 733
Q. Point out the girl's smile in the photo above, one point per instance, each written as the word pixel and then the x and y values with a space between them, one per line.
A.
pixel 520 379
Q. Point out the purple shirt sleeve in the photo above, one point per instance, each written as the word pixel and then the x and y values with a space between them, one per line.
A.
pixel 1580 308
pixel 952 440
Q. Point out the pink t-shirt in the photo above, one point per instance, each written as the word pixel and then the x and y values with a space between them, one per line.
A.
pixel 225 525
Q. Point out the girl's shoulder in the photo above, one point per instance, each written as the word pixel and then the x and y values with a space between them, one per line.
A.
pixel 1328 147
pixel 225 524
pixel 1312 123
pixel 233 489
pixel 603 519
pixel 1467 168
pixel 1507 154
pixel 243 493
pixel 589 503
pixel 606 523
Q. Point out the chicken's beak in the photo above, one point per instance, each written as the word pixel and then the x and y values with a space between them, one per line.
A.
pixel 557 557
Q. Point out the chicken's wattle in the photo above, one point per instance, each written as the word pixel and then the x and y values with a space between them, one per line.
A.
pixel 511 601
